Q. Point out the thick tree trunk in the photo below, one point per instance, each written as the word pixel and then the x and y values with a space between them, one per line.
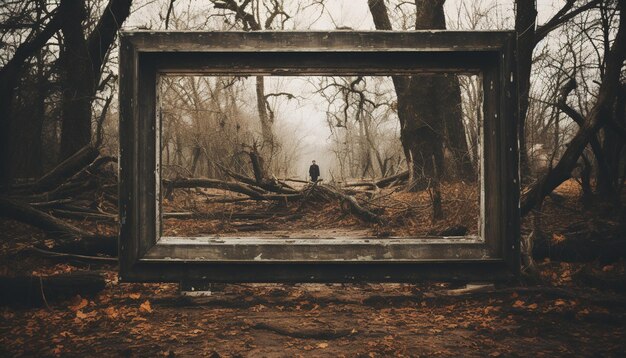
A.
pixel 82 61
pixel 78 80
pixel 427 116
pixel 25 141
pixel 428 106
pixel 613 144
pixel 449 103
pixel 26 133
pixel 525 20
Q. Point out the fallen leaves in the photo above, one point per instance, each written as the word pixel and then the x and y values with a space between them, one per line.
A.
pixel 145 307
pixel 111 312
pixel 82 303
pixel 556 238
pixel 522 304
pixel 83 317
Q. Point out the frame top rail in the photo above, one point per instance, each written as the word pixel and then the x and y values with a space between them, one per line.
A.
pixel 317 41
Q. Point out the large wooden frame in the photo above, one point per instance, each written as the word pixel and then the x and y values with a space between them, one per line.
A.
pixel 145 256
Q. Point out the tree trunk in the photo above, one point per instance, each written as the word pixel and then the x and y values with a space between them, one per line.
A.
pixel 266 125
pixel 608 187
pixel 449 104
pixel 82 61
pixel 78 80
pixel 525 20
pixel 25 140
pixel 423 112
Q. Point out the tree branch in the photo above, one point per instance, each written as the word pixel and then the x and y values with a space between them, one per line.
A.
pixel 240 12
pixel 593 121
pixel 561 17
pixel 100 39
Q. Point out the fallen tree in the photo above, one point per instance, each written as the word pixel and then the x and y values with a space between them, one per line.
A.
pixel 350 202
pixel 597 117
pixel 273 185
pixel 253 192
pixel 40 290
pixel 390 180
pixel 79 160
pixel 606 243
pixel 67 238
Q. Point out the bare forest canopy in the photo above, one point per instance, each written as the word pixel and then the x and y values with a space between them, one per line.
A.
pixel 59 111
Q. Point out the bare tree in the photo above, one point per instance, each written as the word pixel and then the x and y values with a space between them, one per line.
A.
pixel 38 35
pixel 599 115
pixel 82 59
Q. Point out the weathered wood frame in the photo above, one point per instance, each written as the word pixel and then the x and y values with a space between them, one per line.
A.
pixel 145 256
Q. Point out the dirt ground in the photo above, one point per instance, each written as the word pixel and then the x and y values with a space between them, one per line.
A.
pixel 333 320
pixel 565 316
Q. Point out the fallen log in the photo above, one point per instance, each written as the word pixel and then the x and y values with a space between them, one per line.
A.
pixel 90 169
pixel 272 185
pixel 615 281
pixel 606 244
pixel 73 257
pixel 361 183
pixel 353 205
pixel 241 188
pixel 83 215
pixel 66 168
pixel 51 203
pixel 40 290
pixel 91 245
pixel 63 191
pixel 238 177
pixel 252 192
pixel 23 212
pixel 297 180
pixel 387 181
pixel 68 238
pixel 605 250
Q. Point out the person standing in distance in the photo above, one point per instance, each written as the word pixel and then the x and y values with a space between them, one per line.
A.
pixel 314 172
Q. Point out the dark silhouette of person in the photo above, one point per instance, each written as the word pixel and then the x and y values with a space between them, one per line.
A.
pixel 314 172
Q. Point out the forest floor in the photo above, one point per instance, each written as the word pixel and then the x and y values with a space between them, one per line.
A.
pixel 402 213
pixel 565 316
